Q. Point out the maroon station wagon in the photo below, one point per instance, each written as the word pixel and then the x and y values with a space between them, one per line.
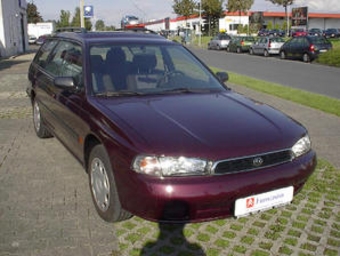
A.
pixel 161 136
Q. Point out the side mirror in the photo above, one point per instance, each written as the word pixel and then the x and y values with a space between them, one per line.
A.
pixel 222 76
pixel 66 82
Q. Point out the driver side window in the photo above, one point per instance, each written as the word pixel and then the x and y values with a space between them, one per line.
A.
pixel 66 60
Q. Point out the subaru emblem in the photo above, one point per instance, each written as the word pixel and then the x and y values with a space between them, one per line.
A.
pixel 257 161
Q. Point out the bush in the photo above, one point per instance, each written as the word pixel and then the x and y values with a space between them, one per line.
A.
pixel 331 58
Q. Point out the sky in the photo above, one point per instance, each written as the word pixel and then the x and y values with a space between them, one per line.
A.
pixel 111 11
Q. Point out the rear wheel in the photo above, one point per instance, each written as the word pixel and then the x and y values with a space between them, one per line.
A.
pixel 305 57
pixel 103 187
pixel 38 122
pixel 265 53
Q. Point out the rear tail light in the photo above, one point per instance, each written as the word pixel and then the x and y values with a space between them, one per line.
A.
pixel 312 48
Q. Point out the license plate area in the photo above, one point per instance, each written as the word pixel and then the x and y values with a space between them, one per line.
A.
pixel 262 202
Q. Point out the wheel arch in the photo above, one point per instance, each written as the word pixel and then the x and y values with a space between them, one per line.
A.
pixel 31 94
pixel 90 142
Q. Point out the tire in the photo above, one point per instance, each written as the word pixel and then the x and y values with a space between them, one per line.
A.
pixel 218 48
pixel 251 51
pixel 266 53
pixel 103 186
pixel 228 49
pixel 238 50
pixel 38 122
pixel 305 57
pixel 282 55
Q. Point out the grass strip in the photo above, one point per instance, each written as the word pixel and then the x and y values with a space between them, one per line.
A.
pixel 313 100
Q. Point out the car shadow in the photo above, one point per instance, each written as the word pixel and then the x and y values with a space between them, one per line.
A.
pixel 172 239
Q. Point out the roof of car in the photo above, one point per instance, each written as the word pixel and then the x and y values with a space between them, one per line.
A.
pixel 83 35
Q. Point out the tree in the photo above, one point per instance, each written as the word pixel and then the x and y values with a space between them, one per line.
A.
pixel 212 11
pixel 76 20
pixel 100 25
pixel 33 16
pixel 64 19
pixel 185 7
pixel 239 5
pixel 285 4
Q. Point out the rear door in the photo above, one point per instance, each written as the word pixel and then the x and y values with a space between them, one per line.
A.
pixel 42 80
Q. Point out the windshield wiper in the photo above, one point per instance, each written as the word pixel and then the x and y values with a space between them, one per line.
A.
pixel 119 93
pixel 190 90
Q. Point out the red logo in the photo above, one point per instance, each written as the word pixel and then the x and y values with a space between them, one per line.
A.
pixel 250 202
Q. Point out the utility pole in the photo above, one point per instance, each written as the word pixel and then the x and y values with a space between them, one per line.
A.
pixel 81 6
pixel 200 25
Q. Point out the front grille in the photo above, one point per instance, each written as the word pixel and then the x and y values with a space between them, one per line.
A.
pixel 252 162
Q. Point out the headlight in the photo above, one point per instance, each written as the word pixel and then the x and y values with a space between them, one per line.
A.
pixel 302 146
pixel 170 166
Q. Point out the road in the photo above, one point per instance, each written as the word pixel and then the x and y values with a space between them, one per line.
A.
pixel 314 78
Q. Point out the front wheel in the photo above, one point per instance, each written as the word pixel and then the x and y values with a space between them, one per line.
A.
pixel 103 187
pixel 282 55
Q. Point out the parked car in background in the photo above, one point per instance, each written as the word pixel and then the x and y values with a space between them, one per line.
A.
pixel 331 33
pixel 298 32
pixel 263 32
pixel 306 48
pixel 219 42
pixel 266 46
pixel 240 44
pixel 315 32
pixel 32 39
pixel 159 135
pixel 41 39
pixel 276 33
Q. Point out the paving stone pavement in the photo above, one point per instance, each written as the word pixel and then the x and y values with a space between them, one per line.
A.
pixel 46 207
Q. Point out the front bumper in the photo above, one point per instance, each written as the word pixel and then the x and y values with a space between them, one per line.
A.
pixel 198 199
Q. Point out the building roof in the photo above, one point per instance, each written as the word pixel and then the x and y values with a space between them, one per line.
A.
pixel 282 14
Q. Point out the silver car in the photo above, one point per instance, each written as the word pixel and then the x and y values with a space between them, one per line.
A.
pixel 219 42
pixel 267 46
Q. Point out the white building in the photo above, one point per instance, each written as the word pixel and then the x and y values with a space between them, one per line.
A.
pixel 13 27
pixel 231 21
pixel 39 29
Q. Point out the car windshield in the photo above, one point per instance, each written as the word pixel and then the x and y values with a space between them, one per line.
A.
pixel 135 69
pixel 224 37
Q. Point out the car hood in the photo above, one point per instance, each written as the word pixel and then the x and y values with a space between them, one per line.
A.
pixel 218 125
